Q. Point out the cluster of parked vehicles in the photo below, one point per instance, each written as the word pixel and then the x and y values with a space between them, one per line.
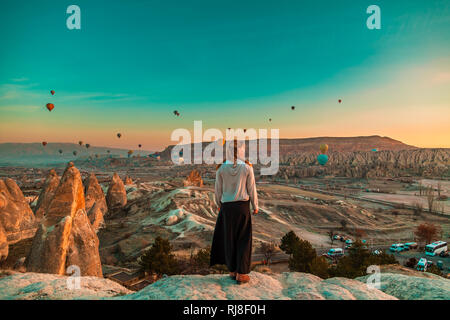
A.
pixel 437 248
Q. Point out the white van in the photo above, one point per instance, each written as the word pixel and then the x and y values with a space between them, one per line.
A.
pixel 422 265
pixel 435 248
pixel 335 252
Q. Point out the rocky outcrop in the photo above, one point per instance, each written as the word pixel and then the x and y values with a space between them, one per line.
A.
pixel 3 244
pixel 94 194
pixel 69 197
pixel 116 195
pixel 194 179
pixel 83 246
pixel 16 216
pixel 65 236
pixel 95 216
pixel 47 194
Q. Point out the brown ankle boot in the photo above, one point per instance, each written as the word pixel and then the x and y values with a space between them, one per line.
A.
pixel 242 278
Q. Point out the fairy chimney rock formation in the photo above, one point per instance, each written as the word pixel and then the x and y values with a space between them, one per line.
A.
pixel 3 244
pixel 65 236
pixel 116 196
pixel 194 179
pixel 95 216
pixel 128 181
pixel 94 194
pixel 16 216
pixel 47 194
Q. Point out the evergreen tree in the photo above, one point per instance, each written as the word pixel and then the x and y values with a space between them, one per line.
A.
pixel 159 258
pixel 288 242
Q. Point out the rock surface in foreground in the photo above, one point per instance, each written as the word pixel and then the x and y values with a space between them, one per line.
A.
pixel 40 286
pixel 413 287
pixel 286 286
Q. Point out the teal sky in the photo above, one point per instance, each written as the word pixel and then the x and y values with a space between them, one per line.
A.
pixel 228 63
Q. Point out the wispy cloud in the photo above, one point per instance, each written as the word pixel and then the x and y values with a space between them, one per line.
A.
pixel 21 79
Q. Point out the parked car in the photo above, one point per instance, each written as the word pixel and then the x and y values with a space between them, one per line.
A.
pixel 377 252
pixel 335 252
pixel 349 241
pixel 429 263
pixel 336 237
pixel 440 265
pixel 397 247
pixel 411 245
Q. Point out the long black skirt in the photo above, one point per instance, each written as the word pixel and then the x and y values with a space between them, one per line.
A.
pixel 232 240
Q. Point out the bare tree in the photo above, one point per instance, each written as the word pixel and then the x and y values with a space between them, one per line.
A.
pixel 418 209
pixel 439 189
pixel 331 234
pixel 427 232
pixel 430 198
pixel 268 250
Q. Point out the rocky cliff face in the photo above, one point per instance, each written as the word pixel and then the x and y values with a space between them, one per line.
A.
pixel 16 216
pixel 94 194
pixel 116 196
pixel 417 162
pixel 47 194
pixel 65 236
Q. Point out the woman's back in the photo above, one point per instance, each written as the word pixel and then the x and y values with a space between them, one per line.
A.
pixel 235 182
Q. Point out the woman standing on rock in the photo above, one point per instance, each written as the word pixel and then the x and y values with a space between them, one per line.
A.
pixel 235 189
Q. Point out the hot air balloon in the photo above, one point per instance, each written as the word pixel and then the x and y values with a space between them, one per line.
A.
pixel 80 143
pixel 119 135
pixel 87 145
pixel 339 100
pixel 245 130
pixel 270 120
pixel 74 153
pixel 60 151
pixel 324 148
pixel 140 145
pixel 108 151
pixel 322 159
pixel 52 92
pixel 50 106
pixel 44 143
pixel 293 108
